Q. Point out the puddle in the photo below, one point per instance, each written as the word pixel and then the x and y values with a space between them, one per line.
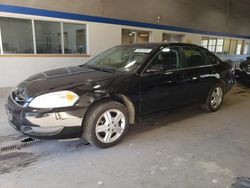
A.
pixel 14 159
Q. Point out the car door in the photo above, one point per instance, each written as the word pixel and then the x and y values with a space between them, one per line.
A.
pixel 162 84
pixel 200 73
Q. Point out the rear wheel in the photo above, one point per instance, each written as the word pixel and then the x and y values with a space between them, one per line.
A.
pixel 106 124
pixel 214 99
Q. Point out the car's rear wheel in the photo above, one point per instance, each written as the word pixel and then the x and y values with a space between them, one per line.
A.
pixel 214 99
pixel 106 124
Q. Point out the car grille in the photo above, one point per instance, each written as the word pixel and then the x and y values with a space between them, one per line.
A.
pixel 19 96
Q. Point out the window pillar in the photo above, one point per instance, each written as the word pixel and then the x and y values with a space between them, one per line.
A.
pixel 62 38
pixel 34 35
pixel 1 42
pixel 135 37
pixel 242 47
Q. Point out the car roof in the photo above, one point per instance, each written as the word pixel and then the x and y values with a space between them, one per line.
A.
pixel 160 44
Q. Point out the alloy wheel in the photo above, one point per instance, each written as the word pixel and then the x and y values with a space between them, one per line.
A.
pixel 110 126
pixel 216 97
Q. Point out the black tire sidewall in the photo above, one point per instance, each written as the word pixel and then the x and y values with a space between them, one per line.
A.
pixel 89 125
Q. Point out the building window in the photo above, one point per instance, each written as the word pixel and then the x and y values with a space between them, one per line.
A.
pixel 21 36
pixel 225 46
pixel 219 45
pixel 16 36
pixel 204 42
pixel 74 38
pixel 167 37
pixel 128 37
pixel 48 37
pixel 132 36
pixel 247 49
pixel 239 47
pixel 214 45
pixel 142 37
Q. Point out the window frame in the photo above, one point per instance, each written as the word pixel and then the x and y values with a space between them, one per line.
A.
pixel 171 36
pixel 157 53
pixel 54 38
pixel 135 33
pixel 35 54
pixel 63 30
pixel 215 46
pixel 1 39
pixel 1 42
pixel 207 53
pixel 201 50
pixel 246 49
pixel 207 41
pixel 219 45
pixel 181 59
pixel 240 44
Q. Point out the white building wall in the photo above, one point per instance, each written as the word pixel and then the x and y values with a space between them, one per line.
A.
pixel 102 36
pixel 15 68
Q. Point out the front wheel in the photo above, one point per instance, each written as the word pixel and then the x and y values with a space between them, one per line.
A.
pixel 214 99
pixel 106 124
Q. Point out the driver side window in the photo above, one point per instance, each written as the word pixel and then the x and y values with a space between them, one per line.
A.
pixel 167 59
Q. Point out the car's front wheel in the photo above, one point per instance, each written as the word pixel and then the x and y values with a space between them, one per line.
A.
pixel 106 123
pixel 214 99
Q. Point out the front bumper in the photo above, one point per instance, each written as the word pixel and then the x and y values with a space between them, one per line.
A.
pixel 61 123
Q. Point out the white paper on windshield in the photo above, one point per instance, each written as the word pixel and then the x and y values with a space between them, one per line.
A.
pixel 143 50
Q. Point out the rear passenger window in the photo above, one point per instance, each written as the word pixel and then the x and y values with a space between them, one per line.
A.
pixel 192 58
pixel 212 58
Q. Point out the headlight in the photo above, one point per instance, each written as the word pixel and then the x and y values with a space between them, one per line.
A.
pixel 54 100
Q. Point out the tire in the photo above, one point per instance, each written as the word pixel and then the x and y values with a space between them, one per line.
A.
pixel 105 124
pixel 212 103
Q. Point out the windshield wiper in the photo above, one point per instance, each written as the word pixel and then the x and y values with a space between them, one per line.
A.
pixel 99 68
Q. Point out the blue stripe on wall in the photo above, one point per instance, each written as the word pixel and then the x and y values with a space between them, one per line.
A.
pixel 80 17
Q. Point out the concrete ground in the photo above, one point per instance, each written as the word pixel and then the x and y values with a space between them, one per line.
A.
pixel 187 149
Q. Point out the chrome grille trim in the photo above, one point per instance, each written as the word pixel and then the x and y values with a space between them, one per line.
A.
pixel 19 96
pixel 15 102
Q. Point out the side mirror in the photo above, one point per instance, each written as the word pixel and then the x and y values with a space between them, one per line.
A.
pixel 155 69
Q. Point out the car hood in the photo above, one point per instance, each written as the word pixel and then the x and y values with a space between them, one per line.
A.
pixel 66 78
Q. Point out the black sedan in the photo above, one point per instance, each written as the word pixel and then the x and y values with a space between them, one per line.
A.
pixel 100 99
pixel 242 72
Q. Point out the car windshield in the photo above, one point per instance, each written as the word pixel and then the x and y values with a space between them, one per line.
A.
pixel 120 58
